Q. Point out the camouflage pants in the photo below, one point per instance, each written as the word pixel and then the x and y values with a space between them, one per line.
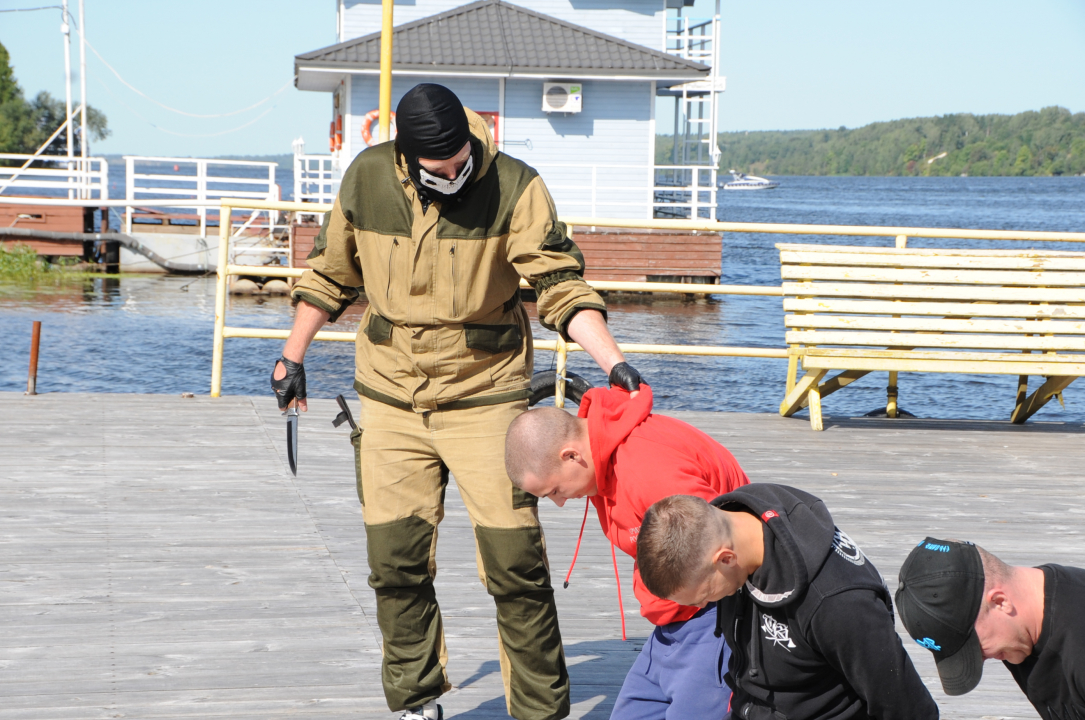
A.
pixel 403 462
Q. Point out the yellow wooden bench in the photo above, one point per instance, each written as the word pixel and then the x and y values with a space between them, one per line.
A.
pixel 866 309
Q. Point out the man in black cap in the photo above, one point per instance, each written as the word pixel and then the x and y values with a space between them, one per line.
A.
pixel 965 605
pixel 438 228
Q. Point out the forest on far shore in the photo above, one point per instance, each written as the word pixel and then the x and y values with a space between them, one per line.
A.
pixel 1048 142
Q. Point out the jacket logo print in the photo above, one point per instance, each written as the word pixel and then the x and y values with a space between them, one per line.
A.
pixel 846 548
pixel 779 633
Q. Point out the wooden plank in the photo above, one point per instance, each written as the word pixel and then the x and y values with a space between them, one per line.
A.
pixel 883 250
pixel 138 583
pixel 934 292
pixel 304 237
pixel 814 399
pixel 933 340
pixel 277 618
pixel 1052 387
pixel 978 356
pixel 641 241
pixel 1023 261
pixel 944 309
pixel 53 218
pixel 650 261
pixel 939 365
pixel 43 247
pixel 851 322
pixel 794 399
pixel 1027 278
pixel 837 382
pixel 623 258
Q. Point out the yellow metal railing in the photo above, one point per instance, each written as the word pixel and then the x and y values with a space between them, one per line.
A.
pixel 562 348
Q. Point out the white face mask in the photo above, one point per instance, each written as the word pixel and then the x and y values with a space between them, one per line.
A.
pixel 444 185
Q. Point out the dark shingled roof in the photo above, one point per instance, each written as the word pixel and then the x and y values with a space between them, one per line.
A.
pixel 491 36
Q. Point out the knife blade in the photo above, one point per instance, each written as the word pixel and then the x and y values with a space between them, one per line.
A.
pixel 292 436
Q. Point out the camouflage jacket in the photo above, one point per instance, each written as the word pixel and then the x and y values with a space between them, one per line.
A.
pixel 445 327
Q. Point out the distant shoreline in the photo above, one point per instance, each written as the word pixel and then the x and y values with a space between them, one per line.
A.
pixel 1044 143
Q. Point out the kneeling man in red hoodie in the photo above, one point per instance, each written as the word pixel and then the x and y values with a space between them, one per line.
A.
pixel 624 458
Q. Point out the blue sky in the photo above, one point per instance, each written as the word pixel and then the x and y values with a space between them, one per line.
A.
pixel 790 64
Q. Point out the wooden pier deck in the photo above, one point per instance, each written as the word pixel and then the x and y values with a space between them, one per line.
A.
pixel 157 559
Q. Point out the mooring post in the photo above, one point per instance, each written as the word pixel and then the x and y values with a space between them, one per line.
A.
pixel 32 375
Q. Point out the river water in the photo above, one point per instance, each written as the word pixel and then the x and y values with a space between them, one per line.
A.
pixel 153 334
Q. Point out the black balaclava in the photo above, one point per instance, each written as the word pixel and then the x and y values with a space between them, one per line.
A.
pixel 431 123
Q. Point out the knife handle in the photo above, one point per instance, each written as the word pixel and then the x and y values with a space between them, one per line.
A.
pixel 345 414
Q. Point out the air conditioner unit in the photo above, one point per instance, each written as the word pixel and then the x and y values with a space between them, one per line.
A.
pixel 562 97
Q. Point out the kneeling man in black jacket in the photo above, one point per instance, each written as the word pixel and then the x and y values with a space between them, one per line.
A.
pixel 807 616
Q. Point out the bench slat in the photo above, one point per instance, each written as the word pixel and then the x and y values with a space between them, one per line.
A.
pixel 970 262
pixel 905 324
pixel 946 355
pixel 947 365
pixel 881 249
pixel 935 292
pixel 1026 278
pixel 943 309
pixel 932 340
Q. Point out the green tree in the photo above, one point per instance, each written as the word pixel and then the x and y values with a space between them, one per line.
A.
pixel 25 126
pixel 1048 142
pixel 1024 161
pixel 9 89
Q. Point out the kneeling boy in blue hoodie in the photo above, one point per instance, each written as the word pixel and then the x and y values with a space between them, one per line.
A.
pixel 807 616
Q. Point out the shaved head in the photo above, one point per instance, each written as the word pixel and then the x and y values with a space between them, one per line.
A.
pixel 675 540
pixel 534 442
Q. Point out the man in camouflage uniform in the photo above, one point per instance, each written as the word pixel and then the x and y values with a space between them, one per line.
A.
pixel 438 227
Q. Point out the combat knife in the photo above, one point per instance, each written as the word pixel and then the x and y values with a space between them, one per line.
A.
pixel 292 435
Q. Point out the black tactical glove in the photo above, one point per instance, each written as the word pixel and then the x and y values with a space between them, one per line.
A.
pixel 291 386
pixel 624 376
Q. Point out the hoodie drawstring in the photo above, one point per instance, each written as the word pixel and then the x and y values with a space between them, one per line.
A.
pixel 613 556
pixel 618 580
pixel 587 504
pixel 719 617
pixel 755 644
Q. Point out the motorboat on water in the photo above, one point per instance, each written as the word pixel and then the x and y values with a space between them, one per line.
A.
pixel 742 181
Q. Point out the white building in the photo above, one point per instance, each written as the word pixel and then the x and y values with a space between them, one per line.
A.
pixel 571 86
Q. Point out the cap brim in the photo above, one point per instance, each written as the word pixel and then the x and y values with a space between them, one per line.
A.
pixel 961 672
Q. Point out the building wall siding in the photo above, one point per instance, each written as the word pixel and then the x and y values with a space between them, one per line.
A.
pixel 614 129
pixel 637 21
pixel 475 93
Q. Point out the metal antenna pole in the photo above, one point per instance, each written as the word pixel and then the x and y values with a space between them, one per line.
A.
pixel 65 30
pixel 84 141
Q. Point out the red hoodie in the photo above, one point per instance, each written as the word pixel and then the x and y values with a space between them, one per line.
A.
pixel 641 458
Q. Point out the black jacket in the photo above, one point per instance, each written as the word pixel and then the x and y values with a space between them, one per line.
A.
pixel 812 633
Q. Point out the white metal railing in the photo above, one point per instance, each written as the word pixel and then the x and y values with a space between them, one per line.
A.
pixel 691 38
pixel 78 178
pixel 200 180
pixel 316 178
pixel 696 103
pixel 593 189
pixel 684 192
pixel 650 191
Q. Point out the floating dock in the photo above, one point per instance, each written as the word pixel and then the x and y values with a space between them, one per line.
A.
pixel 158 560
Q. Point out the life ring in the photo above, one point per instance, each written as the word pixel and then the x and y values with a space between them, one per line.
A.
pixel 544 385
pixel 367 121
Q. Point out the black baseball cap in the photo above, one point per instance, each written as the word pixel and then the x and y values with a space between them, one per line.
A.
pixel 939 597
